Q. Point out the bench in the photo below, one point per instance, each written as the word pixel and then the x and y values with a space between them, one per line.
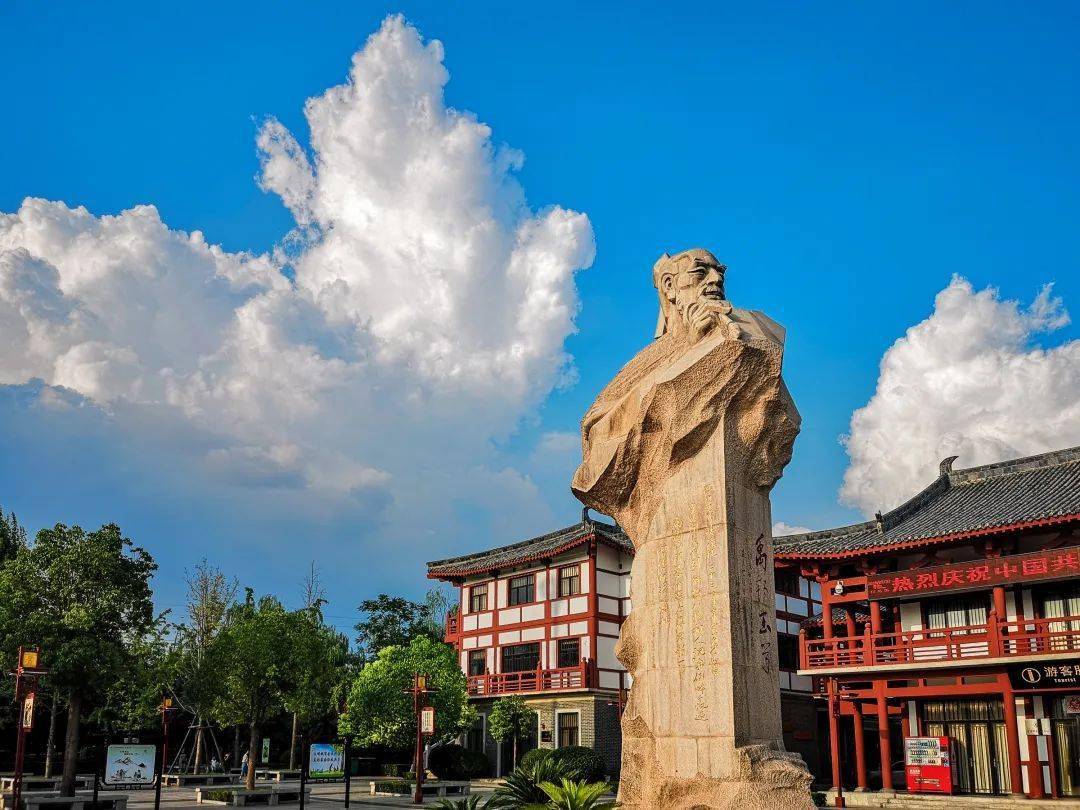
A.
pixel 277 775
pixel 193 779
pixel 52 800
pixel 263 794
pixel 42 783
pixel 432 787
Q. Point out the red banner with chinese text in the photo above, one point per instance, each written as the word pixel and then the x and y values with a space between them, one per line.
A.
pixel 1038 566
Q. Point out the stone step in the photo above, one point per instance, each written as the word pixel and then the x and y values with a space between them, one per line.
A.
pixel 926 801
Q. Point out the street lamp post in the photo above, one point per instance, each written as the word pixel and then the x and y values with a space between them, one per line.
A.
pixel 166 709
pixel 27 672
pixel 425 724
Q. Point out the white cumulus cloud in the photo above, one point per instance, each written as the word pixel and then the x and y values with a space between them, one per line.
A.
pixel 779 529
pixel 417 312
pixel 967 381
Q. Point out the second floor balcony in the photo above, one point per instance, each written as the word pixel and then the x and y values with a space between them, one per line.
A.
pixel 1018 638
pixel 533 680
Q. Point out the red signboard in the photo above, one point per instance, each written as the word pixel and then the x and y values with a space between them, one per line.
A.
pixel 1038 566
pixel 928 764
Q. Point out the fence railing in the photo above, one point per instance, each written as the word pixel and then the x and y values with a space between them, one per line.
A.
pixel 997 638
pixel 533 680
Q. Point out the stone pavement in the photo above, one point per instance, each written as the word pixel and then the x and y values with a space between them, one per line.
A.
pixel 324 796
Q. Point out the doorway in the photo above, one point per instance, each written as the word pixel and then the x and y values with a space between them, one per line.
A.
pixel 976 729
pixel 1066 729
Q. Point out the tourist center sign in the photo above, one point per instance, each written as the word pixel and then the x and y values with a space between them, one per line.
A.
pixel 1038 566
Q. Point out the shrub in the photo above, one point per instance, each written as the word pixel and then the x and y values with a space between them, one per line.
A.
pixel 445 761
pixel 475 764
pixel 529 758
pixel 399 788
pixel 580 764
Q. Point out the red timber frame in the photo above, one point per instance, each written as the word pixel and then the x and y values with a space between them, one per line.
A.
pixel 586 675
pixel 877 672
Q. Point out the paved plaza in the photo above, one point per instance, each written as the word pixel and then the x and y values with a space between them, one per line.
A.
pixel 323 796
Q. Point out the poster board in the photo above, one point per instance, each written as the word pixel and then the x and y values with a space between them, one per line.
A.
pixel 130 765
pixel 326 761
pixel 928 765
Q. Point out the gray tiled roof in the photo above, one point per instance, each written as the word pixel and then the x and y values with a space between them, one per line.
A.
pixel 1037 489
pixel 537 548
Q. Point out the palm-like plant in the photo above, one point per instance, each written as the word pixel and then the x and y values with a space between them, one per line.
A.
pixel 570 795
pixel 469 803
pixel 522 787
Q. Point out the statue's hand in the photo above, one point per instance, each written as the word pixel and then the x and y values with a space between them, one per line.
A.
pixel 707 315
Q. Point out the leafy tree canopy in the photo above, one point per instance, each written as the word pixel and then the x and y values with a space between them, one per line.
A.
pixel 84 598
pixel 391 621
pixel 379 709
pixel 510 718
pixel 12 536
pixel 319 655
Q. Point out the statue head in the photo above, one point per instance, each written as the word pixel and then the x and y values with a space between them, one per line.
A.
pixel 690 286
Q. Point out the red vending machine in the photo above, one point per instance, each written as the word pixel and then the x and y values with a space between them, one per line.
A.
pixel 928 764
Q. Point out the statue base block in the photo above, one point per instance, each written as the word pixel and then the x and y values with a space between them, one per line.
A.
pixel 765 779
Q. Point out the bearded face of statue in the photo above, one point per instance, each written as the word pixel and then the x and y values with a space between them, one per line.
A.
pixel 695 288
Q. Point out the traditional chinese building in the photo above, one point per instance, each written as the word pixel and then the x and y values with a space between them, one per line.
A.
pixel 955 615
pixel 540 618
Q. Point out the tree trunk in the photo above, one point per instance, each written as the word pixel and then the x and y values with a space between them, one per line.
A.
pixel 253 755
pixel 198 744
pixel 515 752
pixel 71 745
pixel 50 746
pixel 292 744
pixel 236 747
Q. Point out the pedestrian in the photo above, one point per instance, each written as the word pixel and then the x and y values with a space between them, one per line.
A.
pixel 244 766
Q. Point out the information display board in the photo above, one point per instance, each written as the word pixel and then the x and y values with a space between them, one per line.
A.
pixel 130 765
pixel 326 761
pixel 928 764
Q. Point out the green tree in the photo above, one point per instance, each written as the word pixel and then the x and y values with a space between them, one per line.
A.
pixel 318 656
pixel 511 719
pixel 131 702
pixel 199 681
pixel 254 650
pixel 379 710
pixel 84 598
pixel 12 536
pixel 391 621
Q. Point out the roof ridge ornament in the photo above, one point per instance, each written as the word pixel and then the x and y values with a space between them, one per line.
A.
pixel 945 467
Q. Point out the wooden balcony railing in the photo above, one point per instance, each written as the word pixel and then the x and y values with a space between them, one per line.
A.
pixel 452 627
pixel 995 639
pixel 534 680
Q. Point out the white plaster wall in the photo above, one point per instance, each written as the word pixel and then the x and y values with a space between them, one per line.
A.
pixel 542 580
pixel 910 616
pixel 531 613
pixel 484 620
pixel 605 605
pixel 609 680
pixel 465 590
pixel 560 607
pixel 579 604
pixel 468 643
pixel 586 581
pixel 510 637
pixel 559 630
pixel 501 589
pixel 510 616
pixel 608 584
pixel 469 622
pixel 532 634
pixel 484 641
pixel 610 628
pixel 605 654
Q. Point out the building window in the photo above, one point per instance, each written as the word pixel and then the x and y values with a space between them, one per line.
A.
pixel 959 612
pixel 477 662
pixel 523 589
pixel 570 580
pixel 520 657
pixel 1063 604
pixel 569 652
pixel 568 729
pixel 478 598
pixel 787 651
pixel 787 581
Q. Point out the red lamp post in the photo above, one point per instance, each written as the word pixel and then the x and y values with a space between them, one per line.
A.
pixel 27 672
pixel 425 724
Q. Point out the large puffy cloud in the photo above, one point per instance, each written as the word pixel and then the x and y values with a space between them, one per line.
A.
pixel 417 311
pixel 967 381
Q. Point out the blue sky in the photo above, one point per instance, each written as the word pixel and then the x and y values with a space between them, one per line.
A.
pixel 844 160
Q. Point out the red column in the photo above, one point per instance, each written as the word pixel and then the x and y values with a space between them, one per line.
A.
pixel 594 607
pixel 1035 781
pixel 826 607
pixel 860 747
pixel 1012 740
pixel 834 736
pixel 884 742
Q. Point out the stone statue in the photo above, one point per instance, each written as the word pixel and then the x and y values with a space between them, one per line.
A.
pixel 682 448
